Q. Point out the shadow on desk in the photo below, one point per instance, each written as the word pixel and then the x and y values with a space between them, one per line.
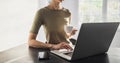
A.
pixel 33 52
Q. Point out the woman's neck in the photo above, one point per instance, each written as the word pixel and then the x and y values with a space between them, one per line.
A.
pixel 55 6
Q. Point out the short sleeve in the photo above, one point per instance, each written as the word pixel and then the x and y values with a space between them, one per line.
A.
pixel 68 14
pixel 38 21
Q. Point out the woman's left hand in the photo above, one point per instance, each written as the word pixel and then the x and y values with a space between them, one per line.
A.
pixel 73 32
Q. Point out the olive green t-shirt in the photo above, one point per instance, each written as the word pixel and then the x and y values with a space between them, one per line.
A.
pixel 53 22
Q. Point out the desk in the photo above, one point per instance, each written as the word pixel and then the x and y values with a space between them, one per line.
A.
pixel 24 54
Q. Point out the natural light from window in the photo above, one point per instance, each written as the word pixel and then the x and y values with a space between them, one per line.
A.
pixel 99 11
pixel 113 13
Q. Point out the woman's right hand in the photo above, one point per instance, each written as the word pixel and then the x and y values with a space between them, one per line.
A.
pixel 62 45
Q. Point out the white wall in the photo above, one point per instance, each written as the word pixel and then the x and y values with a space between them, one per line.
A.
pixel 16 17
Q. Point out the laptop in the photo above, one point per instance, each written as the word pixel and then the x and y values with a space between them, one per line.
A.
pixel 93 39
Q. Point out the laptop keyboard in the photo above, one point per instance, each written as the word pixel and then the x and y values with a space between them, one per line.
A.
pixel 69 54
pixel 66 52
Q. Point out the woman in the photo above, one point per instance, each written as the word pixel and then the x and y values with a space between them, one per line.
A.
pixel 53 18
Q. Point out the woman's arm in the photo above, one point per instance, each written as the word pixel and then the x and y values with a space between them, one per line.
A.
pixel 32 42
pixel 73 31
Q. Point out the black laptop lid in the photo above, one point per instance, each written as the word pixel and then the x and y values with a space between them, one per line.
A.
pixel 94 38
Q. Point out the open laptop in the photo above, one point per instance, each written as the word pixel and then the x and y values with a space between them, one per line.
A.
pixel 93 38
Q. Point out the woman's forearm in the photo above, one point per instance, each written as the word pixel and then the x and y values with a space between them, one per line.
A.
pixel 38 44
pixel 68 35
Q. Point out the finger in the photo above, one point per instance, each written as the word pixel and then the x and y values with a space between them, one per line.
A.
pixel 74 29
pixel 67 46
pixel 64 46
pixel 73 32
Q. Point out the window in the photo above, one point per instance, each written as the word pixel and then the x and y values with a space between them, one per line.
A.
pixel 99 10
pixel 113 12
